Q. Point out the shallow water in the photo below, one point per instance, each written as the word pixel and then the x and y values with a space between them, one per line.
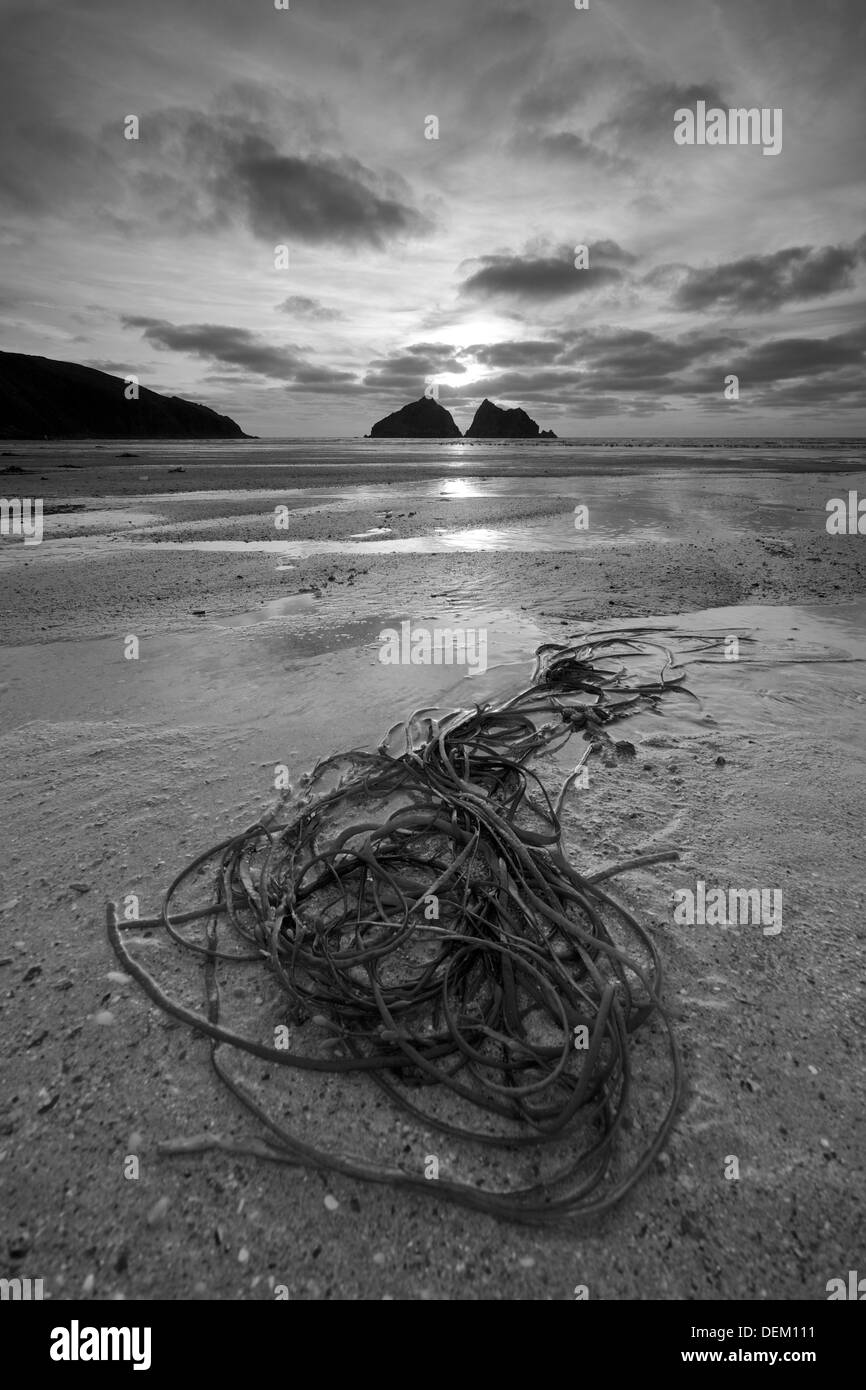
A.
pixel 501 455
pixel 659 506
pixel 291 686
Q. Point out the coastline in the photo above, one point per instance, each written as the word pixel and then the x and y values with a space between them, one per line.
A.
pixel 118 772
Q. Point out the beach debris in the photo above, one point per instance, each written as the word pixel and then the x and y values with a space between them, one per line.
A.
pixel 417 905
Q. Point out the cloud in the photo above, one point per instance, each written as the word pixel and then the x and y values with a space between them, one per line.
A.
pixel 195 171
pixel 566 146
pixel 549 125
pixel 759 283
pixel 526 352
pixel 637 366
pixel 301 306
pixel 782 358
pixel 625 357
pixel 411 367
pixel 214 342
pixel 315 199
pixel 239 348
pixel 547 276
pixel 645 114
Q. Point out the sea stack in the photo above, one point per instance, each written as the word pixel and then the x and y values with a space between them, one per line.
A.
pixel 424 419
pixel 494 422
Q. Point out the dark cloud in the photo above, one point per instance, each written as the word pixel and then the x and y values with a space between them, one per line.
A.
pixel 765 282
pixel 321 376
pixel 552 120
pixel 583 371
pixel 569 364
pixel 624 358
pixel 214 342
pixel 545 276
pixel 301 306
pixel 240 349
pixel 193 171
pixel 412 366
pixel 645 370
pixel 560 92
pixel 783 358
pixel 645 114
pixel 527 352
pixel 316 199
pixel 567 146
pixel 530 385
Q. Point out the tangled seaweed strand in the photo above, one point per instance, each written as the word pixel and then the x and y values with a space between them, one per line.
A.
pixel 446 942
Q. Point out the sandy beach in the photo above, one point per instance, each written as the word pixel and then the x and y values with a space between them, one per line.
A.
pixel 261 647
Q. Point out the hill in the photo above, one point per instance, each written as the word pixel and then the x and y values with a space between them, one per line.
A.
pixel 41 398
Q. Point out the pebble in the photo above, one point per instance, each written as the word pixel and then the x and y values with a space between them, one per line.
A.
pixel 118 977
pixel 378 1258
pixel 89 1284
pixel 243 1255
pixel 104 1017
pixel 158 1211
pixel 331 1203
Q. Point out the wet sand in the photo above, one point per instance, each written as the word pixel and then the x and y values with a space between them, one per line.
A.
pixel 117 772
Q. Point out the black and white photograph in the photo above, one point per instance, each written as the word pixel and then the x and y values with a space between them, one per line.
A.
pixel 432 667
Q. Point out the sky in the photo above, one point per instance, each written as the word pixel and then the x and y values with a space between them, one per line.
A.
pixel 447 264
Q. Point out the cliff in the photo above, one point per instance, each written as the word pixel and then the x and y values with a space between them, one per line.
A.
pixel 41 398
